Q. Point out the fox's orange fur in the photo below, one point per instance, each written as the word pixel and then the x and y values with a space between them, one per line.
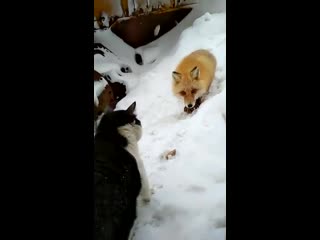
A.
pixel 193 76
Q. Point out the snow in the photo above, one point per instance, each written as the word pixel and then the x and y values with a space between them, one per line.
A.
pixel 98 89
pixel 150 54
pixel 189 200
pixel 156 30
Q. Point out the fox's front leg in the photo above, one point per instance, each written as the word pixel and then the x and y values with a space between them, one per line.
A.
pixel 198 102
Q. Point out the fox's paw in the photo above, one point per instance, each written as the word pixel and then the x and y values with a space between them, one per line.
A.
pixel 188 110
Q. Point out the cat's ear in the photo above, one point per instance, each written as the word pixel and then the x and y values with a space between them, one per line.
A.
pixel 131 108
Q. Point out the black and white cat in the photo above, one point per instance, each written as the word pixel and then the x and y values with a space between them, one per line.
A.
pixel 120 176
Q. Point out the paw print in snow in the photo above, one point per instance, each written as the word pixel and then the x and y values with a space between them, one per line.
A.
pixel 181 133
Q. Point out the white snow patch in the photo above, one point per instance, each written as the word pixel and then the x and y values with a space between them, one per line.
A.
pixel 156 30
pixel 150 54
pixel 98 88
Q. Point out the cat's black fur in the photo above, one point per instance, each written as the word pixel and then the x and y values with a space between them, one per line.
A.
pixel 117 178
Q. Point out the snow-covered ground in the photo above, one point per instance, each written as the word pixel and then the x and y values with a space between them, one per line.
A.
pixel 189 200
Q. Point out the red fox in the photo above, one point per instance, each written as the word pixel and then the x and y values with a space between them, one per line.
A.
pixel 193 77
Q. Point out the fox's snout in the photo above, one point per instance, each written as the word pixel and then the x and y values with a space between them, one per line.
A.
pixel 189 102
pixel 189 105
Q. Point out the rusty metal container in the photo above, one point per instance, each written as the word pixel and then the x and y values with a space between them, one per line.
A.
pixel 139 22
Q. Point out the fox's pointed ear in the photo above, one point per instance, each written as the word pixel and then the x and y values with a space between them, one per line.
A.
pixel 176 76
pixel 131 108
pixel 195 73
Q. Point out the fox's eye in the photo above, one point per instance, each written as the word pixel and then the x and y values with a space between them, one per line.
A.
pixel 183 93
pixel 193 91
